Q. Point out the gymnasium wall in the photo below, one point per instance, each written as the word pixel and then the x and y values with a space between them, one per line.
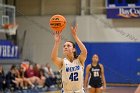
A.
pixel 48 7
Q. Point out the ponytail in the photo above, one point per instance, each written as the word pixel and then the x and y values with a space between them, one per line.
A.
pixel 75 54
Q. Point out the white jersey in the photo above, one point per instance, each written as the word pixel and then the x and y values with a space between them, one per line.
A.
pixel 72 75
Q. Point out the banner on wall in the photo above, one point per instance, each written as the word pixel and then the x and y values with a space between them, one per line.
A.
pixel 8 50
pixel 123 13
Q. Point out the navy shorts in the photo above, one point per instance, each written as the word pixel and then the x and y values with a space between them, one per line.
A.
pixel 95 84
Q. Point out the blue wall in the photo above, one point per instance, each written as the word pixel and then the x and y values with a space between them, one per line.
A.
pixel 119 60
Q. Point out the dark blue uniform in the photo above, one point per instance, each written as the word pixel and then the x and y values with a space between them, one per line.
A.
pixel 95 79
pixel 2 79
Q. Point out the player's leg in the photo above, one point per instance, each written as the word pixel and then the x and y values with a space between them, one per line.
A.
pixel 98 90
pixel 91 90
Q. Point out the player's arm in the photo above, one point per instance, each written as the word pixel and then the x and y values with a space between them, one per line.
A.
pixel 103 76
pixel 54 55
pixel 87 76
pixel 83 55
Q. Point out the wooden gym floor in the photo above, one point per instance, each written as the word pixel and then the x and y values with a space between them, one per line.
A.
pixel 112 90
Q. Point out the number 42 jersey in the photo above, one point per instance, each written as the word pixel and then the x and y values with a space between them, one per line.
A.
pixel 72 75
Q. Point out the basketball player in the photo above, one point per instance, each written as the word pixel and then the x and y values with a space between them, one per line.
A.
pixel 72 66
pixel 97 78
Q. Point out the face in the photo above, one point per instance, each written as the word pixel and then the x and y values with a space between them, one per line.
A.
pixel 13 71
pixel 47 65
pixel 37 66
pixel 68 48
pixel 21 69
pixel 95 58
pixel 41 72
pixel 31 67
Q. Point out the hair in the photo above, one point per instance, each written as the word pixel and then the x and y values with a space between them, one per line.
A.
pixel 74 46
pixel 95 54
pixel 13 67
pixel 43 72
pixel 2 69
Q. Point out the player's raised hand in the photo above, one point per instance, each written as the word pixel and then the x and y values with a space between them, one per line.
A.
pixel 74 29
pixel 57 36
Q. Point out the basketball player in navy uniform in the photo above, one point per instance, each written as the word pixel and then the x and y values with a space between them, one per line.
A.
pixel 95 79
pixel 72 66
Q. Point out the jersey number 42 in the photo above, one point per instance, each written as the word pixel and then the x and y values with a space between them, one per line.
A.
pixel 74 76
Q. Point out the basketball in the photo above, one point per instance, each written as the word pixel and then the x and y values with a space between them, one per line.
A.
pixel 57 23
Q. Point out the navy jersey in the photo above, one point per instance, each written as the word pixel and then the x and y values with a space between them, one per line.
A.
pixel 95 76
